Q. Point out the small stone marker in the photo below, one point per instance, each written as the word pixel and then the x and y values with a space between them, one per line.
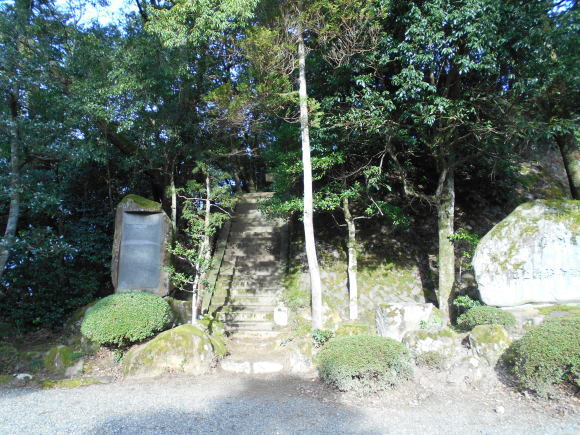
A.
pixel 281 315
pixel 142 233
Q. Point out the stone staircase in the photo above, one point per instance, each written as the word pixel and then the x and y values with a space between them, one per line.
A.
pixel 250 277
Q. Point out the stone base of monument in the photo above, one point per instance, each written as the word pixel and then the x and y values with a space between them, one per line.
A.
pixel 531 315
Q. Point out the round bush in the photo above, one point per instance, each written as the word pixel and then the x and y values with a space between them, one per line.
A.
pixel 548 354
pixel 485 315
pixel 125 318
pixel 364 363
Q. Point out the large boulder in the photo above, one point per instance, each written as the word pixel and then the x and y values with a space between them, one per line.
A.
pixel 395 320
pixel 532 256
pixel 185 349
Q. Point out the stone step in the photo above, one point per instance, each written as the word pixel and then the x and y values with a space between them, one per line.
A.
pixel 256 280
pixel 252 239
pixel 246 227
pixel 262 367
pixel 244 299
pixel 251 337
pixel 250 251
pixel 230 258
pixel 235 295
pixel 237 326
pixel 244 316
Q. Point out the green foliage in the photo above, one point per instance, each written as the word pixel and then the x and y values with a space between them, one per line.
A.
pixel 8 358
pixel 124 318
pixel 548 354
pixel 364 363
pixel 464 303
pixel 321 336
pixel 193 247
pixel 466 241
pixel 484 315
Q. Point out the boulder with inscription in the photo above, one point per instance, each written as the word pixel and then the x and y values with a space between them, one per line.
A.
pixel 142 235
pixel 532 256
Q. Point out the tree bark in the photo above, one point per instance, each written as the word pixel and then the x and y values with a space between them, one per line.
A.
pixel 352 263
pixel 204 255
pixel 446 214
pixel 9 238
pixel 315 282
pixel 571 156
pixel 173 201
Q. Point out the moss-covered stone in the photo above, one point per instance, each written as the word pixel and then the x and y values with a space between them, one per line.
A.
pixel 348 329
pixel 560 310
pixel 4 379
pixel 142 202
pixel 58 358
pixel 489 342
pixel 187 349
pixel 445 342
pixel 69 383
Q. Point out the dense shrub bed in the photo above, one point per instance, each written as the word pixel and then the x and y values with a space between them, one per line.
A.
pixel 126 318
pixel 485 315
pixel 548 354
pixel 364 363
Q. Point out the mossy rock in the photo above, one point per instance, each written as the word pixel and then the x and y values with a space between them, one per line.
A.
pixel 349 329
pixel 181 310
pixel 445 342
pixel 73 324
pixel 560 311
pixel 69 383
pixel 141 202
pixel 5 379
pixel 58 358
pixel 185 349
pixel 489 342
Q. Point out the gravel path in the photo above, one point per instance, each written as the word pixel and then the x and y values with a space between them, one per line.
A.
pixel 255 405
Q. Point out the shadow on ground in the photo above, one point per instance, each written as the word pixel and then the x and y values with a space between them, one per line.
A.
pixel 250 405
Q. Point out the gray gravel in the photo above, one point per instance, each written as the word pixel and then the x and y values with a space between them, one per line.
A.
pixel 250 405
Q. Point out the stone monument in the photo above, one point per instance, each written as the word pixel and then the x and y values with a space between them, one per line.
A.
pixel 142 234
pixel 532 256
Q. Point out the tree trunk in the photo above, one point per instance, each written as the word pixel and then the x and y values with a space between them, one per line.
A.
pixel 352 263
pixel 315 282
pixel 204 255
pixel 14 211
pixel 571 156
pixel 446 214
pixel 173 202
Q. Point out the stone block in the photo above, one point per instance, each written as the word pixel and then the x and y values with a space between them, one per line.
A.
pixel 396 319
pixel 489 342
pixel 142 234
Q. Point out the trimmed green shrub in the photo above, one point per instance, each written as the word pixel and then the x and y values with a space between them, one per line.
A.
pixel 125 318
pixel 485 316
pixel 364 363
pixel 548 354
